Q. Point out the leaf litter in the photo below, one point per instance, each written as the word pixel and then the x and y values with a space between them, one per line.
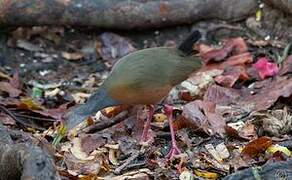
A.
pixel 236 104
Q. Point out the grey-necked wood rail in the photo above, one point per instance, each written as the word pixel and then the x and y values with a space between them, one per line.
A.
pixel 142 77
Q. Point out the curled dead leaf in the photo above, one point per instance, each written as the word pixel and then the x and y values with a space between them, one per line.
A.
pixel 72 56
pixel 111 112
pixel 256 147
pixel 8 88
pixel 221 95
pixel 201 115
pixel 233 46
pixel 286 66
pixel 268 93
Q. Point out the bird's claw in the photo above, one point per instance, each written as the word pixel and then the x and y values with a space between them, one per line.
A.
pixel 174 150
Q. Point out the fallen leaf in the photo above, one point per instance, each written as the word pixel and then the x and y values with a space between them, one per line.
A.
pixel 14 81
pixel 241 60
pixel 7 120
pixel 76 166
pixel 222 151
pixel 202 48
pixel 231 75
pixel 181 122
pixel 231 132
pixel 113 157
pixel 186 175
pixel 268 93
pixel 221 95
pixel 196 84
pixel 52 93
pixel 9 101
pixel 111 112
pixel 276 122
pixel 215 154
pixel 55 113
pixel 206 174
pixel 238 162
pixel 26 45
pixel 159 117
pixel 256 147
pixel 29 103
pixel 248 131
pixel 77 150
pixel 4 76
pixel 140 174
pixel 80 97
pixel 232 113
pixel 233 46
pixel 277 148
pixel 199 114
pixel 72 56
pixel 217 55
pixel 239 45
pixel 265 68
pixel 286 66
pixel 114 46
pixel 8 88
pixel 90 142
pixel 259 43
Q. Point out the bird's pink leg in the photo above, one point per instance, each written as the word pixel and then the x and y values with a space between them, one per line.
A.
pixel 174 150
pixel 147 124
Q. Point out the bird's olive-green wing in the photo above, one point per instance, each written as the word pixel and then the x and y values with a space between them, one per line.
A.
pixel 153 70
pixel 153 66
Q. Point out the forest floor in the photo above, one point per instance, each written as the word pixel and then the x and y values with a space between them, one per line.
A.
pixel 234 113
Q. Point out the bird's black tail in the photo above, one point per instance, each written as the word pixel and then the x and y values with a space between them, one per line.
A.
pixel 187 45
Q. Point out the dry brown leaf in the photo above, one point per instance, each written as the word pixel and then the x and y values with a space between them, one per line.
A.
pixel 256 147
pixel 8 88
pixel 114 46
pixel 248 131
pixel 6 120
pixel 76 166
pixel 268 93
pixel 231 75
pixel 241 60
pixel 233 46
pixel 72 56
pixel 111 112
pixel 79 163
pixel 199 114
pixel 238 162
pixel 91 142
pixel 55 113
pixel 197 83
pixel 29 103
pixel 275 122
pixel 221 95
pixel 286 66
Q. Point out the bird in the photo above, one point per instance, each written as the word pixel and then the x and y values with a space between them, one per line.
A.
pixel 143 77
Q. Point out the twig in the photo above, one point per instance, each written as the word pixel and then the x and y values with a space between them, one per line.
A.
pixel 106 124
pixel 22 123
pixel 119 169
pixel 35 118
pixel 9 113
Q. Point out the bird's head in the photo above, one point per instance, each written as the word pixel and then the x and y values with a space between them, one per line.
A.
pixel 69 120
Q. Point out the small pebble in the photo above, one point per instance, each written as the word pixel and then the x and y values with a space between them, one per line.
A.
pixel 186 175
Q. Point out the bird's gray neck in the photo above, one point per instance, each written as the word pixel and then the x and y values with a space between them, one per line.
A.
pixel 97 101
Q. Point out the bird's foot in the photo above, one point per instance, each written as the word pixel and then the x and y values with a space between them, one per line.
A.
pixel 144 137
pixel 174 150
